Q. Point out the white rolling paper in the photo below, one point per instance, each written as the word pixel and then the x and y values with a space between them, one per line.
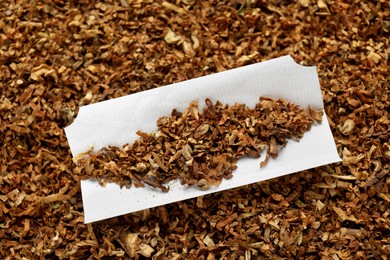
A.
pixel 115 122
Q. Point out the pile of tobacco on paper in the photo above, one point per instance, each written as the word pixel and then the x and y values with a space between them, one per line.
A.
pixel 200 148
pixel 56 56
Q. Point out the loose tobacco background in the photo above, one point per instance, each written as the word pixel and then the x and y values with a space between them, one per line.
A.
pixel 56 56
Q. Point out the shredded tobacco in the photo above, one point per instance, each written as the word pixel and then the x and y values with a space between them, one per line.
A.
pixel 200 148
pixel 56 56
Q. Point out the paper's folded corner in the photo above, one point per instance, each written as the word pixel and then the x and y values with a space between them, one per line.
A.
pixel 115 122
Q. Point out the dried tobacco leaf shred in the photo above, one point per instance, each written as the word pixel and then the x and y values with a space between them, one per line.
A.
pixel 200 149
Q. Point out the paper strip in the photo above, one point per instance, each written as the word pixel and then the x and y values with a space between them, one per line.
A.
pixel 114 122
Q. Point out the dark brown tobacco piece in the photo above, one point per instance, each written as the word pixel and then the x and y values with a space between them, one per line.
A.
pixel 200 148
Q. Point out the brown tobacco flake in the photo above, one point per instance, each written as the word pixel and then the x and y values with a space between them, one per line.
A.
pixel 200 149
pixel 226 221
